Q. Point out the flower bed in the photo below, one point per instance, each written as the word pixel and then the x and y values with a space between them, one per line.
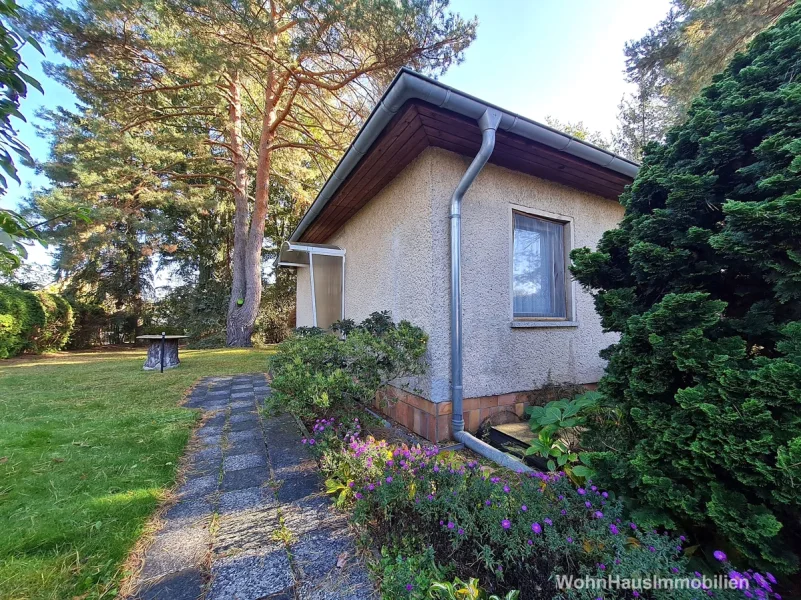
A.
pixel 512 531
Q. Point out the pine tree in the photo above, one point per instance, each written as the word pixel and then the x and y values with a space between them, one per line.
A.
pixel 250 81
pixel 703 281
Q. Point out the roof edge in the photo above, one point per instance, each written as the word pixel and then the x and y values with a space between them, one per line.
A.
pixel 411 85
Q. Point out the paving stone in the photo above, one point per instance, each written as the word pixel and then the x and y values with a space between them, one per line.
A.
pixel 210 429
pixel 211 440
pixel 247 446
pixel 298 487
pixel 194 487
pixel 242 396
pixel 198 468
pixel 242 404
pixel 245 426
pixel 244 461
pixel 186 513
pixel 291 459
pixel 208 454
pixel 244 417
pixel 244 478
pixel 248 530
pixel 250 576
pixel 177 550
pixel 246 498
pixel 218 420
pixel 252 433
pixel 315 556
pixel 181 585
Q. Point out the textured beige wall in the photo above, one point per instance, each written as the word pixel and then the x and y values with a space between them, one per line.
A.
pixel 397 259
pixel 388 251
pixel 498 358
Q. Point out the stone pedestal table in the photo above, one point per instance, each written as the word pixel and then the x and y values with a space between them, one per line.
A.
pixel 153 362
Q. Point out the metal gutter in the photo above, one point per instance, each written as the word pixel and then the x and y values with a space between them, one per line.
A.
pixel 410 85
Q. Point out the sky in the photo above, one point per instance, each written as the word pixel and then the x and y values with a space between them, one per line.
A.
pixel 538 58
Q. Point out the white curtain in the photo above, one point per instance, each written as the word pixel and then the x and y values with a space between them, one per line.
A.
pixel 539 268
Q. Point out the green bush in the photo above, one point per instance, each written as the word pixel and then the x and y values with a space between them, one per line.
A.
pixel 32 321
pixel 54 333
pixel 703 281
pixel 315 371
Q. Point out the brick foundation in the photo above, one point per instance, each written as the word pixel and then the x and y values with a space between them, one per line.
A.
pixel 432 420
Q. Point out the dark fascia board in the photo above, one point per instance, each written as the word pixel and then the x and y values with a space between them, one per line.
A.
pixel 410 85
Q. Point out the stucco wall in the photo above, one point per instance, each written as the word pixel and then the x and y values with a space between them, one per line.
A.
pixel 397 258
pixel 498 358
pixel 388 250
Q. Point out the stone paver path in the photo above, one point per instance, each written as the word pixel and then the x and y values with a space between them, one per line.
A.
pixel 251 520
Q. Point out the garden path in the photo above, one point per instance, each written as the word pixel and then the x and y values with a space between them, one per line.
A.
pixel 251 521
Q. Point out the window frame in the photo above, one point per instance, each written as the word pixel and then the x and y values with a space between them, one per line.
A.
pixel 569 320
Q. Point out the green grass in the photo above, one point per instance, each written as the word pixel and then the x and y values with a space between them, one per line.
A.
pixel 89 443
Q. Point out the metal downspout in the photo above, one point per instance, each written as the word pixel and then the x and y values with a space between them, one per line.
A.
pixel 488 123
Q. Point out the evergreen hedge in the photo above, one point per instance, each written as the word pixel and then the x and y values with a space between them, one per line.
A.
pixel 32 321
pixel 703 281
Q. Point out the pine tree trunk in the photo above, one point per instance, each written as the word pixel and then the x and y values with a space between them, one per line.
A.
pixel 243 307
pixel 238 331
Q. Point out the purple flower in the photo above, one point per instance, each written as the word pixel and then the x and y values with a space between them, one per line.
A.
pixel 506 523
pixel 311 442
pixel 598 514
pixel 530 542
pixel 581 491
pixel 370 487
pixel 651 549
pixel 770 577
pixel 613 529
pixel 547 521
pixel 633 525
pixel 358 495
pixel 389 479
pixel 409 587
pixel 563 511
pixel 605 494
pixel 461 531
pixel 303 441
pixel 602 566
pixel 561 497
pixel 719 555
pixel 536 528
pixel 488 502
pixel 506 489
pixel 524 508
pixel 588 504
pixel 451 525
pixel 569 540
pixel 635 593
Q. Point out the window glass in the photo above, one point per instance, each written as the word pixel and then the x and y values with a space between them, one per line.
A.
pixel 539 268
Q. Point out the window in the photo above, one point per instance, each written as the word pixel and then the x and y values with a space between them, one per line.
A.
pixel 538 269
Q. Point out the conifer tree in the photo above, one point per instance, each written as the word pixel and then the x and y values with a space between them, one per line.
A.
pixel 703 281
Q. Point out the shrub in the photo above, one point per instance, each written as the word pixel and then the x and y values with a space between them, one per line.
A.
pixel 703 281
pixel 55 332
pixel 32 321
pixel 315 371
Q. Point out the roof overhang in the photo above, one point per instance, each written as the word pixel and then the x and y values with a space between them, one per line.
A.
pixel 293 254
pixel 416 112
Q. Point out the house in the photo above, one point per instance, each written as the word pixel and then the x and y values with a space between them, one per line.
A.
pixel 379 236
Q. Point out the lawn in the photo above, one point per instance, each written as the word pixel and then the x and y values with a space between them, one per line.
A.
pixel 88 445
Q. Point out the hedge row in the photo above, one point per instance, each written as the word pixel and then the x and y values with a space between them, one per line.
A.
pixel 32 322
